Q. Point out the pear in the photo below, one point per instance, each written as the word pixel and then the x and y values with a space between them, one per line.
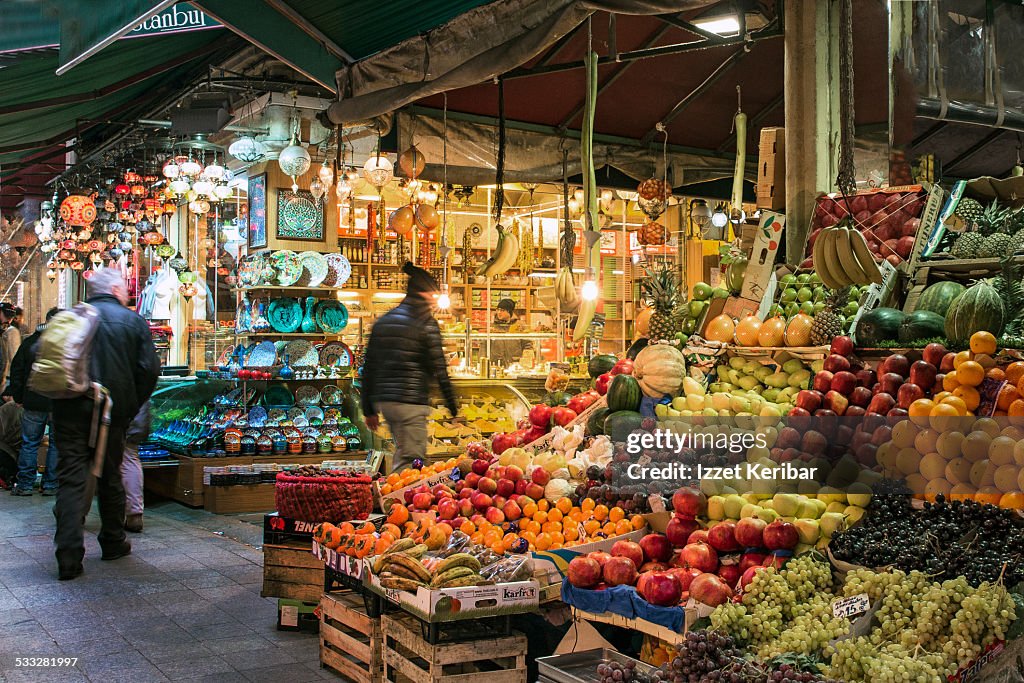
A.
pixel 809 530
pixel 734 505
pixel 814 508
pixel 720 401
pixel 853 514
pixel 768 515
pixel 858 494
pixel 679 402
pixel 710 487
pixel 660 410
pixel 770 394
pixel 737 363
pixel 716 507
pixel 808 487
pixel 831 495
pixel 757 453
pixel 786 504
pixel 818 365
pixel 685 413
pixel 762 372
pixel 728 490
pixel 751 367
pixel 831 522
pixel 748 382
pixel 770 410
pixel 672 412
pixel 751 510
pixel 802 548
pixel 692 386
pixel 835 506
pixel 793 365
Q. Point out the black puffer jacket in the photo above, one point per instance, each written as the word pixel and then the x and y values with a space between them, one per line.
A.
pixel 124 357
pixel 403 357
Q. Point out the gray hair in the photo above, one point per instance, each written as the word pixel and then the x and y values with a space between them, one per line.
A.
pixel 103 281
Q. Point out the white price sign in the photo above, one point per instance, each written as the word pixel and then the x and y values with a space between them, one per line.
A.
pixel 851 606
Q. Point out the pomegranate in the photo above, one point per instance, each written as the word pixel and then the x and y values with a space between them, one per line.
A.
pixel 685 576
pixel 679 529
pixel 619 571
pixel 656 548
pixel 701 556
pixel 730 573
pixel 661 588
pixel 749 532
pixel 698 536
pixel 710 589
pixel 722 537
pixel 780 535
pixel 584 572
pixel 629 549
pixel 689 502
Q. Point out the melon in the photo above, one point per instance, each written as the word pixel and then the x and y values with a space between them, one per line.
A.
pixel 772 332
pixel 659 369
pixel 798 331
pixel 623 393
pixel 878 325
pixel 938 297
pixel 600 364
pixel 921 325
pixel 978 308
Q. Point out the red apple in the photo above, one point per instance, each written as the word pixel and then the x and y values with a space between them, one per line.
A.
pixel 749 532
pixel 881 404
pixel 482 501
pixel 506 487
pixel 629 549
pixel 776 560
pixel 836 402
pixel 501 442
pixel 710 590
pixel 656 548
pixel 447 509
pixel 698 536
pixel 923 373
pixel 563 416
pixel 860 396
pixel 494 515
pixel 933 353
pixel 844 382
pixel 619 571
pixel 701 556
pixel 855 411
pixel 799 418
pixel 780 535
pixel 835 363
pixel 466 507
pixel 946 365
pixel 866 378
pixel 521 486
pixel 907 394
pixel 882 434
pixel 890 383
pixel 480 467
pixel 808 399
pixel 487 485
pixel 896 363
pixel 602 382
pixel 788 437
pixel 422 501
pixel 540 476
pixel 512 510
pixel 722 537
pixel 679 529
pixel 841 346
pixel 535 491
pixel 584 572
pixel 662 589
pixel 730 574
pixel 689 502
pixel 814 442
pixel 822 381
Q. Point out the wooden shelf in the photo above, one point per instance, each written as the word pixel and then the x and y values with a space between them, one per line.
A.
pixel 289 288
pixel 288 334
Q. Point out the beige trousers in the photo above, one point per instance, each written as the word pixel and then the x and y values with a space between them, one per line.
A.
pixel 408 425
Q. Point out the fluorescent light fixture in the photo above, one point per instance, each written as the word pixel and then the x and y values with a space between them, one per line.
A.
pixel 342 294
pixel 541 274
pixel 723 26
pixel 389 295
pixel 618 272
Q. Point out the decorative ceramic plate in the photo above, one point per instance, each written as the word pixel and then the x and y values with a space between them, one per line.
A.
pixel 278 395
pixel 307 396
pixel 314 413
pixel 280 345
pixel 335 353
pixel 314 268
pixel 263 356
pixel 301 421
pixel 225 356
pixel 287 265
pixel 285 315
pixel 332 414
pixel 295 412
pixel 276 414
pixel 301 354
pixel 338 270
pixel 331 316
pixel 257 416
pixel 330 393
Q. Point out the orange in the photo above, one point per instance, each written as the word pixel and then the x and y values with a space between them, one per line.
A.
pixel 529 510
pixel 564 505
pixel 498 547
pixel 1007 395
pixel 969 395
pixel 1014 500
pixel 393 478
pixel 543 541
pixel 385 489
pixel 608 528
pixel 943 416
pixel 468 528
pixel 637 522
pixel 996 373
pixel 983 342
pixel 540 516
pixel 957 402
pixel 576 515
pixel 950 381
pixel 530 536
pixel 587 504
pixel 531 526
pixel 623 526
pixel 571 532
pixel 508 539
pixel 555 515
pixel 988 494
pixel 477 538
pixel 970 373
pixel 961 358
pixel 543 505
pixel 592 526
pixel 615 514
pixel 601 513
pixel 1014 372
pixel 919 411
pixel 551 527
pixel 491 536
pixel 1016 408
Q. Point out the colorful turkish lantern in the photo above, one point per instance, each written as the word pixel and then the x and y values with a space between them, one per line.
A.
pixel 78 210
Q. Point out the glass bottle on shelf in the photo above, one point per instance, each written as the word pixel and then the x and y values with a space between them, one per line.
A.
pixel 362 281
pixel 260 322
pixel 286 372
pixel 308 323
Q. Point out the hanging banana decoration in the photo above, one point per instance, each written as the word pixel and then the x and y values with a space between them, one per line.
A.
pixel 525 247
pixel 565 285
pixel 841 257
pixel 506 253
pixel 592 245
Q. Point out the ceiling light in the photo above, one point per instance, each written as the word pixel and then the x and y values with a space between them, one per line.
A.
pixel 723 26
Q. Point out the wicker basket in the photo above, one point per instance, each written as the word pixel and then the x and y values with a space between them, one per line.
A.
pixel 324 499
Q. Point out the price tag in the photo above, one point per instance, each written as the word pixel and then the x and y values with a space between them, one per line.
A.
pixel 657 502
pixel 851 606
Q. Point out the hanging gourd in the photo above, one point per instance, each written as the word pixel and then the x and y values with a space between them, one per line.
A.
pixel 740 123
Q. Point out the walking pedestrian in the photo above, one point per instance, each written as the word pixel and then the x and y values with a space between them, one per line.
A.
pixel 403 357
pixel 131 470
pixel 123 361
pixel 10 339
pixel 34 419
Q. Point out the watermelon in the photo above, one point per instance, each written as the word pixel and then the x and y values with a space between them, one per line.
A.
pixel 938 297
pixel 623 393
pixel 979 309
pixel 601 364
pixel 619 424
pixel 878 325
pixel 921 325
pixel 595 424
pixel 557 398
pixel 636 347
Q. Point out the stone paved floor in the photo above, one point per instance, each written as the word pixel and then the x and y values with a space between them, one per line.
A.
pixel 184 606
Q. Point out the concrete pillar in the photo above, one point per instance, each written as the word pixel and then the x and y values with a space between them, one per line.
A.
pixel 812 112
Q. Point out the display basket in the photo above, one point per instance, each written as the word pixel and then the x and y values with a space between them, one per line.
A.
pixel 324 499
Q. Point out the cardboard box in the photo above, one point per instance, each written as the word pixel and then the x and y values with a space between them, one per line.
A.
pixel 762 259
pixel 771 169
pixel 456 604
pixel 877 295
pixel 443 477
pixel 339 562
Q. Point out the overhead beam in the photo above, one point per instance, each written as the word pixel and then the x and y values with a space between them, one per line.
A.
pixel 674 20
pixel 553 51
pixel 262 26
pixel 615 75
pixel 974 149
pixel 312 31
pixel 929 134
pixel 711 79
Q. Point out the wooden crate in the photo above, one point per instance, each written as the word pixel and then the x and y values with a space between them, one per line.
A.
pixel 292 572
pixel 222 500
pixel 350 640
pixel 408 657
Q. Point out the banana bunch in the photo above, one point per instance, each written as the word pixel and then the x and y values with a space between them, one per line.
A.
pixel 585 316
pixel 504 256
pixel 842 258
pixel 456 571
pixel 401 571
pixel 565 290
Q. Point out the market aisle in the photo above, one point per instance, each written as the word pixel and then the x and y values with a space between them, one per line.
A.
pixel 185 606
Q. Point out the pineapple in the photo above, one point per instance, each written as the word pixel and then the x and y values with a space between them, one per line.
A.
pixel 969 210
pixel 997 244
pixel 1017 242
pixel 993 220
pixel 661 290
pixel 830 321
pixel 967 245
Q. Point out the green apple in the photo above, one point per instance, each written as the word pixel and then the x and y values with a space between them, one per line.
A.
pixel 809 530
pixel 768 515
pixel 751 510
pixel 786 504
pixel 858 494
pixel 716 507
pixel 734 505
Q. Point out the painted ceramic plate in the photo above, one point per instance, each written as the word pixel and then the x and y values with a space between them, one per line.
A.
pixel 287 265
pixel 301 421
pixel 314 268
pixel 307 396
pixel 276 414
pixel 285 315
pixel 263 356
pixel 225 356
pixel 314 413
pixel 295 412
pixel 335 353
pixel 278 396
pixel 330 393
pixel 338 270
pixel 257 416
pixel 331 316
pixel 332 414
pixel 301 354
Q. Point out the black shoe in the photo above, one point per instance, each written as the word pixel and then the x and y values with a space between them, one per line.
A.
pixel 117 552
pixel 15 491
pixel 133 523
pixel 50 492
pixel 70 572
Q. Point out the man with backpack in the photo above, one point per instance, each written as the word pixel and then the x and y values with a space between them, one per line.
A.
pixel 98 363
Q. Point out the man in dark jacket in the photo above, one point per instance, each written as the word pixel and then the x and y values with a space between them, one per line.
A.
pixel 33 420
pixel 125 362
pixel 404 355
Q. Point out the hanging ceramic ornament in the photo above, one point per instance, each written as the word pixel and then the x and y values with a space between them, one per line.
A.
pixel 188 290
pixel 412 162
pixel 401 220
pixel 294 161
